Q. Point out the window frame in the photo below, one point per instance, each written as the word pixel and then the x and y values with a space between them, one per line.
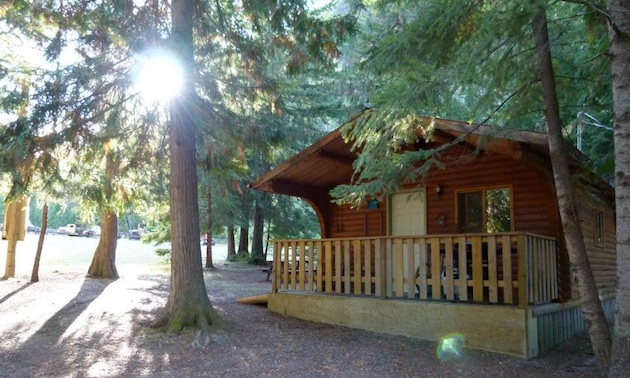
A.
pixel 483 190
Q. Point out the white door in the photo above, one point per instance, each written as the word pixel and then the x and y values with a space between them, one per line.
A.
pixel 409 217
pixel 409 213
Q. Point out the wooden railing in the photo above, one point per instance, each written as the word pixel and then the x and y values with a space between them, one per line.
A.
pixel 506 268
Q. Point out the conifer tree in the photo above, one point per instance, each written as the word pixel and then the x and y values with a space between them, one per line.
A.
pixel 619 32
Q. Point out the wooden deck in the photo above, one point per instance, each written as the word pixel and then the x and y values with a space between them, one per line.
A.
pixel 516 269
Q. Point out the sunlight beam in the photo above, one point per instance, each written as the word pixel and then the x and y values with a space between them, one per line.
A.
pixel 159 76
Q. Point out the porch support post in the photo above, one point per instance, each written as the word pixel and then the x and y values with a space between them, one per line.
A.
pixel 380 273
pixel 523 258
pixel 275 266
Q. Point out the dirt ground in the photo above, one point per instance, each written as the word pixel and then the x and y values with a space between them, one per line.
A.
pixel 70 326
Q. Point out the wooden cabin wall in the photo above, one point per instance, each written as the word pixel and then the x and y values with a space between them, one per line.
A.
pixel 532 196
pixel 602 256
pixel 347 222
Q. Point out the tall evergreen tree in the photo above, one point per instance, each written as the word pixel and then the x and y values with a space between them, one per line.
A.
pixel 619 32
pixel 188 303
pixel 569 216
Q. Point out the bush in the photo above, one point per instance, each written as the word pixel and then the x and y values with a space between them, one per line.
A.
pixel 246 258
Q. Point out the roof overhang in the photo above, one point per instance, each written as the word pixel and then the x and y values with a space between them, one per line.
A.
pixel 317 169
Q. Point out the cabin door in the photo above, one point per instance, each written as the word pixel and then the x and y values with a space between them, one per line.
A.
pixel 409 213
pixel 408 217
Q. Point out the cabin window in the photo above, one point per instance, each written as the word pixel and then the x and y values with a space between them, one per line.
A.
pixel 599 227
pixel 488 210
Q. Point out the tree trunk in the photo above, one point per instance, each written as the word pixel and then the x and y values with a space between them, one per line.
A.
pixel 104 261
pixel 231 244
pixel 9 267
pixel 40 244
pixel 209 262
pixel 257 237
pixel 243 239
pixel 188 303
pixel 13 231
pixel 619 32
pixel 591 305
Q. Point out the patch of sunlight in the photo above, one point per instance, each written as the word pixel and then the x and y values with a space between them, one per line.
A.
pixel 18 326
pixel 112 312
pixel 450 346
pixel 109 325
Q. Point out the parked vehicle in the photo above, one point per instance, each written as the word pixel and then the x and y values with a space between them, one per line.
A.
pixel 133 235
pixel 71 229
pixel 33 229
pixel 96 230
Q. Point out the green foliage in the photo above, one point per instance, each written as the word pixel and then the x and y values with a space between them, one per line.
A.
pixel 292 218
pixel 261 83
pixel 466 60
pixel 163 252
pixel 244 258
pixel 498 206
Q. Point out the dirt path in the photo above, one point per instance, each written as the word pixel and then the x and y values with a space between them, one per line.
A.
pixel 69 326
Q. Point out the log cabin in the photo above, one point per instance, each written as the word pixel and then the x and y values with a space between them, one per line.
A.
pixel 474 249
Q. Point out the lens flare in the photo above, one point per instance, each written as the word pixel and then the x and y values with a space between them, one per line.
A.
pixel 450 346
pixel 159 76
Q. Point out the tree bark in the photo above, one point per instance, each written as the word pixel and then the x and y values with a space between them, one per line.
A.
pixel 589 297
pixel 188 303
pixel 9 267
pixel 231 243
pixel 209 262
pixel 243 239
pixel 257 237
pixel 40 244
pixel 104 261
pixel 13 231
pixel 619 35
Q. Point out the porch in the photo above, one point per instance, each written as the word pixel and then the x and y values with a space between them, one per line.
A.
pixel 517 269
pixel 402 286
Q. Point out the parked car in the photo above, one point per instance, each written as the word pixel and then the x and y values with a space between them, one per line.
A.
pixel 33 229
pixel 71 230
pixel 133 235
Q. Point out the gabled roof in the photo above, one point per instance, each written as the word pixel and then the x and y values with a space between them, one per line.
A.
pixel 328 162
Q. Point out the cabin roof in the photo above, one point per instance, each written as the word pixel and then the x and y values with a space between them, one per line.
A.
pixel 328 162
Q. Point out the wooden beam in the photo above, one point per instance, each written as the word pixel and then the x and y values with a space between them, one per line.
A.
pixel 296 189
pixel 336 158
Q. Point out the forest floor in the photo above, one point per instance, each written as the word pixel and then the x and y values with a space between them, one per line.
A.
pixel 67 325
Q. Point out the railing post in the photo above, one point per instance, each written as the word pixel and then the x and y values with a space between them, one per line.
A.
pixel 275 266
pixel 311 266
pixel 523 258
pixel 477 268
pixel 320 265
pixel 328 268
pixel 380 274
pixel 356 268
pixel 302 265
